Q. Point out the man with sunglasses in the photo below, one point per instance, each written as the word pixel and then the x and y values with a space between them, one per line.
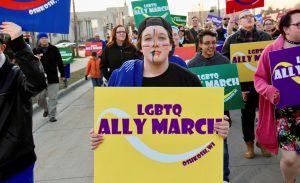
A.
pixel 222 31
pixel 17 85
pixel 247 33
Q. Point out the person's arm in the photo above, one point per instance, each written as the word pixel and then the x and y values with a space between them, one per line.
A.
pixel 60 64
pixel 104 64
pixel 262 77
pixel 230 25
pixel 32 80
pixel 88 69
pixel 226 47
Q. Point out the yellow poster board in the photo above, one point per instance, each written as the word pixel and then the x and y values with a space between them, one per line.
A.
pixel 158 135
pixel 246 56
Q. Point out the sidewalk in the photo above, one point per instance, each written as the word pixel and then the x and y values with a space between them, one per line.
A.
pixel 64 156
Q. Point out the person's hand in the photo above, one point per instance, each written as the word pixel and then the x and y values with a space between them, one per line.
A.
pixel 245 95
pixel 95 139
pixel 12 29
pixel 276 97
pixel 223 127
pixel 86 78
pixel 63 78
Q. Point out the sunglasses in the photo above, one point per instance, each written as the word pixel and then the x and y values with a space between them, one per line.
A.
pixel 226 18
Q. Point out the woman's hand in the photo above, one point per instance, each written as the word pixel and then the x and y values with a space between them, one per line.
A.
pixel 95 139
pixel 223 127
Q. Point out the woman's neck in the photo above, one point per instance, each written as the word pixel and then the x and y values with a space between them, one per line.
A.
pixel 120 43
pixel 153 70
pixel 288 42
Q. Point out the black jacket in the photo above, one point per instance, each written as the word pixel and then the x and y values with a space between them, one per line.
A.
pixel 236 38
pixel 51 60
pixel 17 85
pixel 113 57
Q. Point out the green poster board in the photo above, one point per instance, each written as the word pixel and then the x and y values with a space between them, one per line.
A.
pixel 178 20
pixel 226 76
pixel 149 8
pixel 66 55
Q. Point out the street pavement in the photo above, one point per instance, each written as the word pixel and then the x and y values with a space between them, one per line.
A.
pixel 63 147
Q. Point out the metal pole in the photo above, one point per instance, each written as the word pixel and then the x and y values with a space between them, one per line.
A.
pixel 75 30
pixel 219 8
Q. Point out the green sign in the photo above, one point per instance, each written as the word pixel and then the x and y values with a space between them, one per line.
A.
pixel 178 20
pixel 226 76
pixel 66 55
pixel 150 8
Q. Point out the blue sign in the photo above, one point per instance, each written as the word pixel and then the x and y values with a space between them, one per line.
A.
pixel 51 16
pixel 259 18
pixel 215 19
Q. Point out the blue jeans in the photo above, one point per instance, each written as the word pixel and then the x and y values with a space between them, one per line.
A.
pixel 226 162
pixel 97 81
pixel 24 176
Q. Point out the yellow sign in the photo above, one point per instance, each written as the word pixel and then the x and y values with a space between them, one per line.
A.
pixel 246 56
pixel 158 135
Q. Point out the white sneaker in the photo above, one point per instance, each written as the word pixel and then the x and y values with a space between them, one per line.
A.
pixel 225 181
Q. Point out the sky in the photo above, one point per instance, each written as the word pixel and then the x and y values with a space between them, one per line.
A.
pixel 178 7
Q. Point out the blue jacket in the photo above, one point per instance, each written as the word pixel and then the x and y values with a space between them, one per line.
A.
pixel 177 60
pixel 129 74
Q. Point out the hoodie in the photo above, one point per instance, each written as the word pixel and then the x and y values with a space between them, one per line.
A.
pixel 200 61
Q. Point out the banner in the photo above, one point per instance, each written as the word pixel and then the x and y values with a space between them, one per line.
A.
pixel 93 47
pixel 214 19
pixel 186 53
pixel 178 20
pixel 66 55
pixel 158 135
pixel 226 76
pixel 51 16
pixel 239 5
pixel 285 72
pixel 148 8
pixel 246 56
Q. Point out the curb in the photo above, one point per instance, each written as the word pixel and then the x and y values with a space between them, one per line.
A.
pixel 62 93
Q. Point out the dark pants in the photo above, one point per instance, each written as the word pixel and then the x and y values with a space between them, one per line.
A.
pixel 226 170
pixel 248 116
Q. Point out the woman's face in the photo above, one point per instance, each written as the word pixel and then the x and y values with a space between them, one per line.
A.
pixel 293 30
pixel 175 37
pixel 120 34
pixel 155 44
pixel 268 25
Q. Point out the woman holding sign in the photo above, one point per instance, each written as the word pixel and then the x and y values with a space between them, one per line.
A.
pixel 282 126
pixel 155 41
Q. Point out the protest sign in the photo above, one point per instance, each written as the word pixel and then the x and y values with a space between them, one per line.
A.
pixel 148 8
pixel 285 73
pixel 246 56
pixel 151 135
pixel 51 16
pixel 226 76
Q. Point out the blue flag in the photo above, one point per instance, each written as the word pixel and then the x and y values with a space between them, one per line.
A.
pixel 51 16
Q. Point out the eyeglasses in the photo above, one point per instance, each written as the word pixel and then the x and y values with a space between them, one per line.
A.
pixel 247 16
pixel 181 30
pixel 210 43
pixel 121 32
pixel 296 24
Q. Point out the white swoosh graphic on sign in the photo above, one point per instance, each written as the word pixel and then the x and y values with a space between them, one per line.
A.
pixel 249 66
pixel 141 147
pixel 161 157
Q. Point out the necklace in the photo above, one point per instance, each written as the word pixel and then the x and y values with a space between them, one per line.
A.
pixel 292 42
